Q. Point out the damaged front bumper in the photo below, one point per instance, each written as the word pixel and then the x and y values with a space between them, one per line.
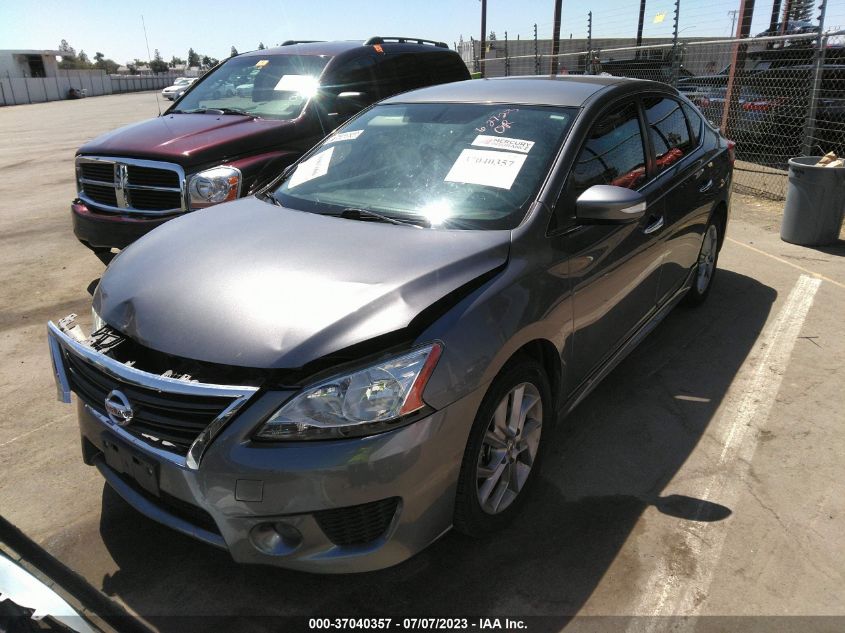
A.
pixel 329 506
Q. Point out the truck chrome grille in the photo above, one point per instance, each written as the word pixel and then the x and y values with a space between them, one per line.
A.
pixel 169 420
pixel 127 184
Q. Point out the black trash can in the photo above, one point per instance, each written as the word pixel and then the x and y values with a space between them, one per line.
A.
pixel 815 203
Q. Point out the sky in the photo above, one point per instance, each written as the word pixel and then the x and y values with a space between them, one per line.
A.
pixel 212 28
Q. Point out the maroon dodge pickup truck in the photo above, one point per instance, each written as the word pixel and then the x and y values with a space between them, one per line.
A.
pixel 238 128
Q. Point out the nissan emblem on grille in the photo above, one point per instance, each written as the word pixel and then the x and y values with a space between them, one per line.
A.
pixel 121 180
pixel 118 408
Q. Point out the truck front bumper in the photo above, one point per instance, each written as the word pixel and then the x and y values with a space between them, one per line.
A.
pixel 330 506
pixel 103 231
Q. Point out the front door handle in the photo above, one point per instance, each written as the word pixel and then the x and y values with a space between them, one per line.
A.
pixel 706 186
pixel 654 226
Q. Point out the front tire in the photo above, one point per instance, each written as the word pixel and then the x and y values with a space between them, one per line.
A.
pixel 705 268
pixel 503 452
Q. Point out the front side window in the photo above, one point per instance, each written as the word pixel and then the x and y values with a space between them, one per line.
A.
pixel 272 87
pixel 453 166
pixel 613 153
pixel 668 131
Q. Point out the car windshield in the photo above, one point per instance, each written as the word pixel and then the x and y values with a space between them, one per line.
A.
pixel 272 86
pixel 454 166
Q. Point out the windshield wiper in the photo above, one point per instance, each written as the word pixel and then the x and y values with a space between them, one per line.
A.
pixel 351 213
pixel 213 111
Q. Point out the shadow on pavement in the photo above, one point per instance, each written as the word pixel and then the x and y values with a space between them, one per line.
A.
pixel 610 460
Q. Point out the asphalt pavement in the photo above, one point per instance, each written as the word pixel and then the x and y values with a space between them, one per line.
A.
pixel 703 477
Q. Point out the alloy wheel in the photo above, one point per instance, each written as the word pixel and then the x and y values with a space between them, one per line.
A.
pixel 707 258
pixel 509 448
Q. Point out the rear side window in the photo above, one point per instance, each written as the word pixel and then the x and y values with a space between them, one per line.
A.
pixel 613 154
pixel 695 123
pixel 668 130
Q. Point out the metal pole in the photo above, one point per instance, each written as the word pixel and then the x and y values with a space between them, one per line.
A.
pixel 536 53
pixel 589 69
pixel 773 21
pixel 810 124
pixel 640 26
pixel 676 61
pixel 483 36
pixel 3 93
pixel 786 10
pixel 746 13
pixel 507 59
pixel 556 37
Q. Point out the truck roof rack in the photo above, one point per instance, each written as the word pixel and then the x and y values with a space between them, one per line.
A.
pixel 291 42
pixel 403 40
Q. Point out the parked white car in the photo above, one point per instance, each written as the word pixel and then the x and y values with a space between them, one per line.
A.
pixel 178 88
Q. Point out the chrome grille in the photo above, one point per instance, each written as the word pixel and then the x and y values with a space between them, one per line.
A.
pixel 172 421
pixel 128 184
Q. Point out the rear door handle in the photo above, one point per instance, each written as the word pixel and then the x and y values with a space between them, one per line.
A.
pixel 654 226
pixel 706 186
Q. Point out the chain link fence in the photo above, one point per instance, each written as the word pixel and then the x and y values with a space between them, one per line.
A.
pixel 776 97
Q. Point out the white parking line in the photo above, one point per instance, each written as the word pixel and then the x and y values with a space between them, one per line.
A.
pixel 23 435
pixel 744 412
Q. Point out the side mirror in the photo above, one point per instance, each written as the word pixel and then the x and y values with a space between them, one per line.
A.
pixel 349 103
pixel 607 203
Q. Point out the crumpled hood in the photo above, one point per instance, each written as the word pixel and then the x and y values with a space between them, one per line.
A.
pixel 256 285
pixel 192 139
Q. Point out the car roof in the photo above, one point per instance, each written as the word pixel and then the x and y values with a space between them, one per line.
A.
pixel 337 47
pixel 571 91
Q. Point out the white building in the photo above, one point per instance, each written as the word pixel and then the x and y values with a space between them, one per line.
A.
pixel 28 63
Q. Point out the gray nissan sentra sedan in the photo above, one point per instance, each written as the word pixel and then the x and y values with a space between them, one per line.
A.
pixel 331 374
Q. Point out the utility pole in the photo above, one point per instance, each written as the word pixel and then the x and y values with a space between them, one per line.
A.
pixel 483 36
pixel 746 13
pixel 640 27
pixel 536 53
pixel 589 68
pixel 773 21
pixel 556 37
pixel 733 15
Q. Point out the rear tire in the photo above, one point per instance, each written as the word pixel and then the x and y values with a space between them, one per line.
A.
pixel 705 267
pixel 504 449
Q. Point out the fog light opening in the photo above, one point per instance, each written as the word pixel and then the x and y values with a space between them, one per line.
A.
pixel 275 539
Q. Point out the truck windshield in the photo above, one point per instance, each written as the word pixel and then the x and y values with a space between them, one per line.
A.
pixel 439 165
pixel 271 86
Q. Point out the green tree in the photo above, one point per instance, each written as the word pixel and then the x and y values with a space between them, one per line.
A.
pixel 158 65
pixel 82 60
pixel 233 52
pixel 193 58
pixel 261 46
pixel 802 10
pixel 176 61
pixel 68 55
pixel 98 57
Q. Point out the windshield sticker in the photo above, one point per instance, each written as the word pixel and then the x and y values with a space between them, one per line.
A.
pixel 297 83
pixel 343 136
pixel 501 142
pixel 312 168
pixel 485 167
pixel 261 63
pixel 498 122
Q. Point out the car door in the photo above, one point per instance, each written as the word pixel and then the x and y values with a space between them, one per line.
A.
pixel 686 181
pixel 613 268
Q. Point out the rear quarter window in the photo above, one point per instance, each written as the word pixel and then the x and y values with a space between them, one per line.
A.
pixel 670 136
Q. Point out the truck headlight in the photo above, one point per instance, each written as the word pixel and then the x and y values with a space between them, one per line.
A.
pixel 213 186
pixel 362 402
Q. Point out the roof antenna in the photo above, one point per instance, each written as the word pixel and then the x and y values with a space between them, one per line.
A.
pixel 150 59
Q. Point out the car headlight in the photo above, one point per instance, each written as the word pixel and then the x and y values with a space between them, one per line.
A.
pixel 214 186
pixel 362 402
